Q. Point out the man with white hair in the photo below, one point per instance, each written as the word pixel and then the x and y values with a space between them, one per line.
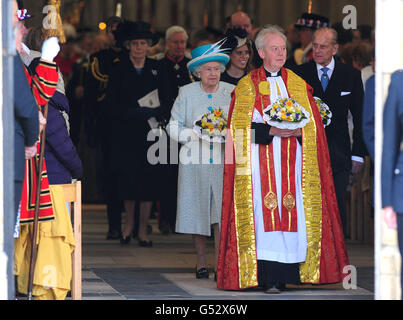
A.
pixel 340 87
pixel 280 221
pixel 174 74
pixel 173 67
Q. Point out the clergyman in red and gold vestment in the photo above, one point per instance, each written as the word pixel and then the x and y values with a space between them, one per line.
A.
pixel 280 221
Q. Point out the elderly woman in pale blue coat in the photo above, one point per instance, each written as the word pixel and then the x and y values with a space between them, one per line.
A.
pixel 201 163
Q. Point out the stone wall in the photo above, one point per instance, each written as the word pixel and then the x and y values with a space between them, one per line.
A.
pixel 190 13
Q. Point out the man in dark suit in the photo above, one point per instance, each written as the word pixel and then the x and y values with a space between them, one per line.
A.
pixel 26 116
pixel 392 159
pixel 368 117
pixel 101 65
pixel 26 125
pixel 340 87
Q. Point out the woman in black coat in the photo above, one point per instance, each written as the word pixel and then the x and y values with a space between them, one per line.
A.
pixel 133 78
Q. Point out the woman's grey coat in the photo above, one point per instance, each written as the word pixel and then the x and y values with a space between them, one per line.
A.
pixel 201 164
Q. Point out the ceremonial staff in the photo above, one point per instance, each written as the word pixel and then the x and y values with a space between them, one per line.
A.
pixel 310 6
pixel 48 33
pixel 39 167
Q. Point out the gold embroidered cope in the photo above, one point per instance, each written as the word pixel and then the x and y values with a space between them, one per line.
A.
pixel 240 129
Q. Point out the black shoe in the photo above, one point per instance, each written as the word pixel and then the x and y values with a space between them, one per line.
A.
pixel 272 290
pixel 113 235
pixel 275 288
pixel 124 240
pixel 202 273
pixel 143 243
pixel 280 286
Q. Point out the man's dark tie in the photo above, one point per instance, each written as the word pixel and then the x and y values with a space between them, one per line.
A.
pixel 324 80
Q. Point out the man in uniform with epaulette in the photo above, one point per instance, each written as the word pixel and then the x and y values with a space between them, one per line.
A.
pixel 174 74
pixel 75 86
pixel 100 67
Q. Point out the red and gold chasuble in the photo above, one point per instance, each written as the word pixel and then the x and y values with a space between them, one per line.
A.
pixel 326 251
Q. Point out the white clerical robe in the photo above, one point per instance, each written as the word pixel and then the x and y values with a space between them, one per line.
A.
pixel 285 247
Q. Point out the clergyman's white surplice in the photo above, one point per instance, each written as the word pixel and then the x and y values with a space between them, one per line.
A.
pixel 285 247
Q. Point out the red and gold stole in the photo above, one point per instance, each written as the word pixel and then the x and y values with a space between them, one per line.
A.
pixel 270 206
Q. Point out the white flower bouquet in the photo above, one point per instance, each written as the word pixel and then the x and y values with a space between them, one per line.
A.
pixel 286 113
pixel 212 126
pixel 324 110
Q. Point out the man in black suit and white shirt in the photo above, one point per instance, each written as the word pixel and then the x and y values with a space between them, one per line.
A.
pixel 340 87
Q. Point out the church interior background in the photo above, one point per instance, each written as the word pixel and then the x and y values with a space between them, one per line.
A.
pixel 196 15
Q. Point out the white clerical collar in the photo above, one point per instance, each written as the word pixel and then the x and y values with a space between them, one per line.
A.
pixel 330 66
pixel 272 74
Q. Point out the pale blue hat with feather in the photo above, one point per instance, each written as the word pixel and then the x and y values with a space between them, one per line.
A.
pixel 208 53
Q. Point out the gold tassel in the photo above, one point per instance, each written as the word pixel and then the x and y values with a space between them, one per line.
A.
pixel 58 32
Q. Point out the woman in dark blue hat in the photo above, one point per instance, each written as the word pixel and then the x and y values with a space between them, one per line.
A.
pixel 133 78
pixel 240 56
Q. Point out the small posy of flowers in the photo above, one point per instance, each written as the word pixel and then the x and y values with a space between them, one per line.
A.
pixel 213 123
pixel 286 110
pixel 324 110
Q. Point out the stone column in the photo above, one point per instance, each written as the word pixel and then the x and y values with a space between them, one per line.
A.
pixel 181 13
pixel 129 10
pixel 146 11
pixel 92 13
pixel 163 15
pixel 389 58
pixel 196 12
pixel 270 12
pixel 231 8
pixel 3 254
pixel 109 9
pixel 217 19
pixel 7 222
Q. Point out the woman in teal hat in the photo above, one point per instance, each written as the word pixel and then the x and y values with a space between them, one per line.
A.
pixel 201 163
